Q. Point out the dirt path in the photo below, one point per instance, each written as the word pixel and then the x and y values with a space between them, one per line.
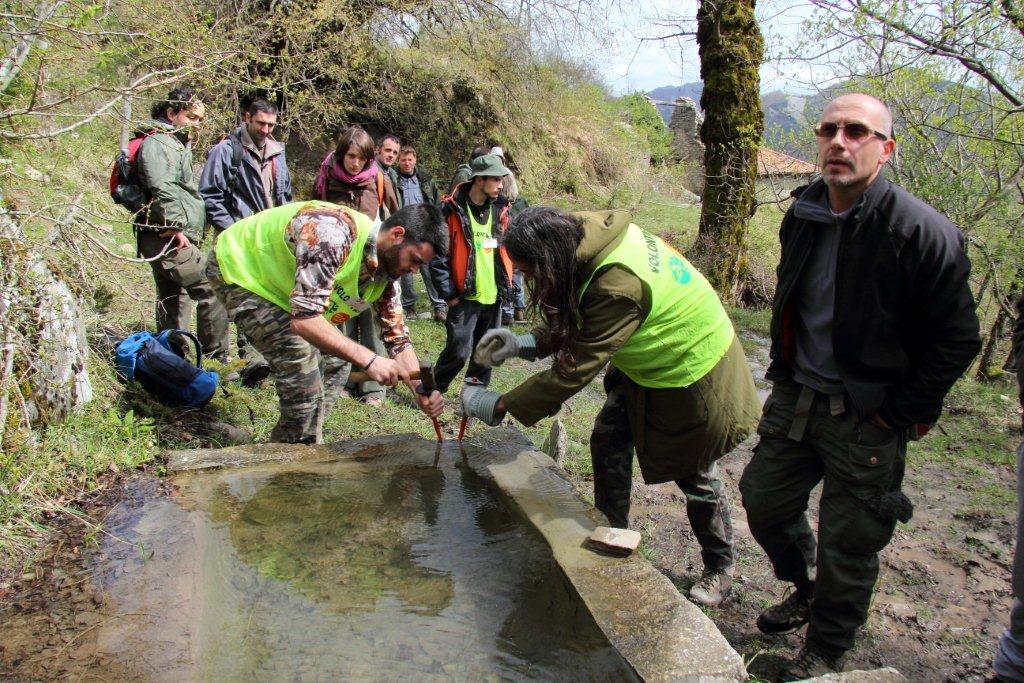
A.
pixel 942 598
pixel 53 622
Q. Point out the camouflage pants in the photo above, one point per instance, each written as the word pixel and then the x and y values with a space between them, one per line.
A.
pixel 307 383
pixel 707 508
pixel 180 280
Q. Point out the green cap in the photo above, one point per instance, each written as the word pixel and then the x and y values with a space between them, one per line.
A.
pixel 488 165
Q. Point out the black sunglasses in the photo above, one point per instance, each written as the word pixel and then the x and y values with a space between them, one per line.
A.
pixel 854 132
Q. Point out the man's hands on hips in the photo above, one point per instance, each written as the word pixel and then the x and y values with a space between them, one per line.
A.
pixel 180 241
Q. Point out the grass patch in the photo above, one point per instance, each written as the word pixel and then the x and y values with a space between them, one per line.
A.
pixel 979 426
pixel 42 477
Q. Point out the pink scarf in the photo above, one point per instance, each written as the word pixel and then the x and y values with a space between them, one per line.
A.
pixel 331 168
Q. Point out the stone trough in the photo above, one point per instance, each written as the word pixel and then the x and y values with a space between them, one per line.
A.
pixel 658 633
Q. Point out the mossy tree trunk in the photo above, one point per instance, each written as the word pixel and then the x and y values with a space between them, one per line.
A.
pixel 731 50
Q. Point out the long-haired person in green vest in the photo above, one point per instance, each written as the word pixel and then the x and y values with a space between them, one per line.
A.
pixel 679 390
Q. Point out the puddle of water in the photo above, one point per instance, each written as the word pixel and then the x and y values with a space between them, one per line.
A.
pixel 371 569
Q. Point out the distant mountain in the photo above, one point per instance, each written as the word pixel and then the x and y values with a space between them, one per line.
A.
pixel 783 113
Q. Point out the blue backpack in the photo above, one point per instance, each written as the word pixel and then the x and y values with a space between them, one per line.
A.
pixel 164 372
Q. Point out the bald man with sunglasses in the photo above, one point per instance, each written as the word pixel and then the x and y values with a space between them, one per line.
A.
pixel 872 322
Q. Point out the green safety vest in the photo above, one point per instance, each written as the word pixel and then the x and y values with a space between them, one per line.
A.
pixel 254 254
pixel 687 331
pixel 486 285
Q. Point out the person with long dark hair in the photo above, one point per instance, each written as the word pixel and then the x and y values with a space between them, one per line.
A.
pixel 679 390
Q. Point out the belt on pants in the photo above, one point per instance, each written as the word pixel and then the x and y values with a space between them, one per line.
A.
pixel 802 411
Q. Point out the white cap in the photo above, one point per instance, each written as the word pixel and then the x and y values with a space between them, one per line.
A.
pixel 499 151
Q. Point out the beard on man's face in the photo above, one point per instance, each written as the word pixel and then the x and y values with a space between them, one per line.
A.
pixel 390 259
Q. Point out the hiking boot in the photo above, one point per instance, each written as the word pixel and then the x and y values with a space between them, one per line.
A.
pixel 519 316
pixel 410 311
pixel 506 319
pixel 788 615
pixel 808 664
pixel 440 315
pixel 252 375
pixel 712 588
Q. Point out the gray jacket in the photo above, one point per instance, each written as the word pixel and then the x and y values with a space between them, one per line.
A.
pixel 224 206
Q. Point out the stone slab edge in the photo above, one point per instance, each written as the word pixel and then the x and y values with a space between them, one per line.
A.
pixel 660 633
pixel 886 675
pixel 254 454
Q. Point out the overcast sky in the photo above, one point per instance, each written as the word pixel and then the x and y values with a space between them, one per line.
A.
pixel 631 64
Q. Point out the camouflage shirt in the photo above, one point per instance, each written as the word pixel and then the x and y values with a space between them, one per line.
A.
pixel 322 239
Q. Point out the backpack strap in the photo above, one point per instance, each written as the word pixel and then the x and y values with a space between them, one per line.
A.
pixel 164 337
pixel 380 189
pixel 237 152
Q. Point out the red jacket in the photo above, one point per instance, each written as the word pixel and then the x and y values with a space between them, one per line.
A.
pixel 455 276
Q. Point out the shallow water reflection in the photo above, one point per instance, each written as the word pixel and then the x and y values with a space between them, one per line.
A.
pixel 368 569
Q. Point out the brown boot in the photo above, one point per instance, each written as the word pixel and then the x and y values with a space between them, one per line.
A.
pixel 712 588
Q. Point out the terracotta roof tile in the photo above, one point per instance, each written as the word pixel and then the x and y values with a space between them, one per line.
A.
pixel 771 162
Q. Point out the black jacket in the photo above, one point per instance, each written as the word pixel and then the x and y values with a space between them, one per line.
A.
pixel 904 326
pixel 455 275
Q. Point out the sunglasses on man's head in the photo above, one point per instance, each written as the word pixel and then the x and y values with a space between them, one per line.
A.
pixel 854 132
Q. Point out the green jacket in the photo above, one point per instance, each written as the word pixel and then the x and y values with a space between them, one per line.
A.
pixel 613 307
pixel 462 173
pixel 427 186
pixel 164 165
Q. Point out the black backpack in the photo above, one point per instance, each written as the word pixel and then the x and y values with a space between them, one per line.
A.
pixel 125 188
pixel 235 143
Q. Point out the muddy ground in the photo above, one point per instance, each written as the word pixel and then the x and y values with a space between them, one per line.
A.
pixel 51 619
pixel 943 593
pixel 942 597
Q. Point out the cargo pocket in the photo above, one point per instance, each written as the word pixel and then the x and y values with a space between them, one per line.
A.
pixel 868 468
pixel 186 266
pixel 778 411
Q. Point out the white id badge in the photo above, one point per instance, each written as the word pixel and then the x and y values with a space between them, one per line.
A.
pixel 490 243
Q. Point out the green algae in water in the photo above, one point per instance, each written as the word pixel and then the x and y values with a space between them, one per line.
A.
pixel 378 570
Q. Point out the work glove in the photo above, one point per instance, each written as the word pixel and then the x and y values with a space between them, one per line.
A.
pixel 478 402
pixel 497 346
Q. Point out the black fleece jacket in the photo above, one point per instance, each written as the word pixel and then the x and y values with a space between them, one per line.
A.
pixel 905 327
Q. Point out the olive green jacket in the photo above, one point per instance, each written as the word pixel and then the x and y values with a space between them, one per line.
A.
pixel 164 165
pixel 676 431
